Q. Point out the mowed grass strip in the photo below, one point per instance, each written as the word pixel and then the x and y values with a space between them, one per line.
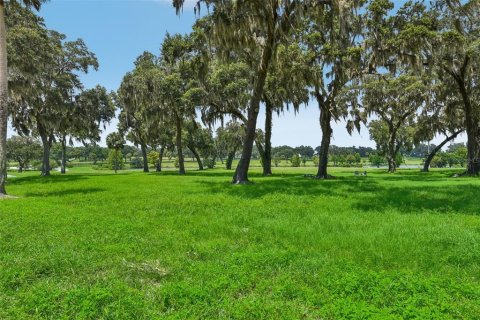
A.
pixel 94 245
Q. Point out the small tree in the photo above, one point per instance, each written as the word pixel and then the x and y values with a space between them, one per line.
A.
pixel 116 142
pixel 115 160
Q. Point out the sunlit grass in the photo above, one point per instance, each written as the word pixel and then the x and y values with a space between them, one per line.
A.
pixel 95 245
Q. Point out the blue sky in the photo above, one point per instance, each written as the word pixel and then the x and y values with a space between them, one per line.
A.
pixel 119 31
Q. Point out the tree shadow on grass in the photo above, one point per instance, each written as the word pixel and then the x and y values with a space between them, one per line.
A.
pixel 367 194
pixel 63 193
pixel 448 199
pixel 290 184
pixel 46 180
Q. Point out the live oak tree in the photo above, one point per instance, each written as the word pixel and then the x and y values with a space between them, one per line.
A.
pixel 44 76
pixel 258 26
pixel 441 115
pixel 334 59
pixel 441 40
pixel 4 81
pixel 179 91
pixel 455 57
pixel 229 140
pixel 136 99
pixel 200 142
pixel 84 118
pixel 395 100
pixel 23 150
pixel 286 86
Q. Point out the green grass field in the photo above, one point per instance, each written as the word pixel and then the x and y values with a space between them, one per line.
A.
pixel 94 245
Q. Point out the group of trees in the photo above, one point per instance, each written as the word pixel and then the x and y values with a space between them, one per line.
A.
pixel 408 73
pixel 46 98
pixel 413 70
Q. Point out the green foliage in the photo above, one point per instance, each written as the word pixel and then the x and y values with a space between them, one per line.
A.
pixel 153 157
pixel 376 160
pixel 136 163
pixel 23 150
pixel 316 160
pixel 209 163
pixel 296 160
pixel 115 160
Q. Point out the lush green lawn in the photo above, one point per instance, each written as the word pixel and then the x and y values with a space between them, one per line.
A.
pixel 93 245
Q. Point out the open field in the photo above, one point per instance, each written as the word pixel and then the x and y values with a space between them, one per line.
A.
pixel 94 245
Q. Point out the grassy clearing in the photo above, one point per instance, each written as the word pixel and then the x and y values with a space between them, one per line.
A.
pixel 94 245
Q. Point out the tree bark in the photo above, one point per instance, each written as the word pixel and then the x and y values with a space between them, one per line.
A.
pixel 181 162
pixel 47 144
pixel 3 100
pixel 473 165
pixel 230 157
pixel 63 169
pixel 391 155
pixel 144 157
pixel 432 154
pixel 325 125
pixel 197 157
pixel 241 173
pixel 160 159
pixel 267 161
pixel 261 151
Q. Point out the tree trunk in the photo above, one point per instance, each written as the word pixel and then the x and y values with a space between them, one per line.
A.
pixel 46 143
pixel 144 157
pixel 197 157
pixel 267 161
pixel 261 151
pixel 391 155
pixel 3 101
pixel 230 157
pixel 471 126
pixel 63 169
pixel 432 154
pixel 181 162
pixel 325 125
pixel 241 173
pixel 160 159
pixel 20 167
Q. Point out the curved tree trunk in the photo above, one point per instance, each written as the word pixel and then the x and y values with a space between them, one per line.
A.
pixel 325 125
pixel 3 100
pixel 144 157
pixel 63 168
pixel 432 154
pixel 160 160
pixel 267 161
pixel 197 157
pixel 261 151
pixel 241 173
pixel 181 161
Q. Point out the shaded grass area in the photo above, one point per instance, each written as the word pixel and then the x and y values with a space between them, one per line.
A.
pixel 91 245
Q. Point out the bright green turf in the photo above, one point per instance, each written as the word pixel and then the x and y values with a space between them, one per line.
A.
pixel 94 245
